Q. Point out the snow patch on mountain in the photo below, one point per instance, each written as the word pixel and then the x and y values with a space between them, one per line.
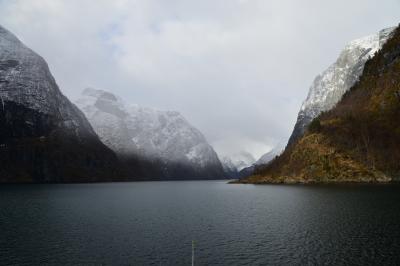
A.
pixel 25 79
pixel 43 136
pixel 269 156
pixel 238 161
pixel 147 132
pixel 329 87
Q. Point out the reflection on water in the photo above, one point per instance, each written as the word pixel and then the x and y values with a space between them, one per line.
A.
pixel 154 223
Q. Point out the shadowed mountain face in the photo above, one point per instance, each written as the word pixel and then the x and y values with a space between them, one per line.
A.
pixel 356 141
pixel 44 137
pixel 168 146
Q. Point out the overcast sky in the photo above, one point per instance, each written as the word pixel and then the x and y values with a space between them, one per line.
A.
pixel 236 69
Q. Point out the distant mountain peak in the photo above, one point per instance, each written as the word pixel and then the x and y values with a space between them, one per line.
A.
pixel 99 94
pixel 165 137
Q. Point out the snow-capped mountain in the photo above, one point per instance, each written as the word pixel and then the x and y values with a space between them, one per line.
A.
pixel 267 157
pixel 230 169
pixel 43 137
pixel 163 138
pixel 236 162
pixel 329 87
pixel 263 160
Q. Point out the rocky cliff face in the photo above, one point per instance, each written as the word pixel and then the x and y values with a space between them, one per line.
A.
pixel 329 87
pixel 164 139
pixel 43 136
pixel 358 140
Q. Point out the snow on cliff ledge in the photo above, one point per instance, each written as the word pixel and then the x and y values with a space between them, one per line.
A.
pixel 146 132
pixel 329 87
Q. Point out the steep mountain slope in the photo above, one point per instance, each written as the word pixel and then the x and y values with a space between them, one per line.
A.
pixel 164 139
pixel 358 140
pixel 329 87
pixel 269 156
pixel 238 161
pixel 43 136
pixel 229 167
pixel 263 160
pixel 234 164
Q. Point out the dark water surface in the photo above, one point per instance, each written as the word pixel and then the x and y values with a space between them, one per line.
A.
pixel 154 223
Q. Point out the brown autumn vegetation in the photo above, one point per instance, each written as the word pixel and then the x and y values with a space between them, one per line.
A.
pixel 358 140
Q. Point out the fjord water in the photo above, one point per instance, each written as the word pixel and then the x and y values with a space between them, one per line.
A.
pixel 154 223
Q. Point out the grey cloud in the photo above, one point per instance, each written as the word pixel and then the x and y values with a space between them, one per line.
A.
pixel 238 70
